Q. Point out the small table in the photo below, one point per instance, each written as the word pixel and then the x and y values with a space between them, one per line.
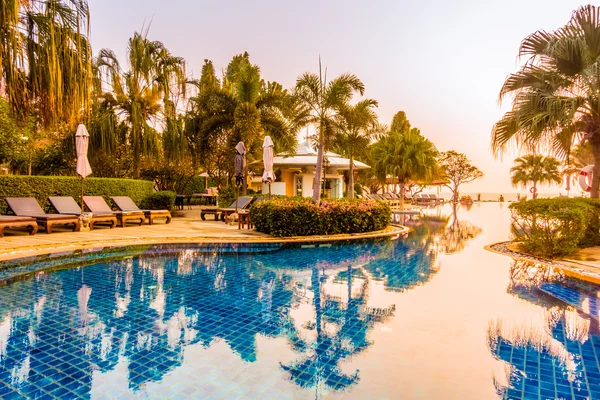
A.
pixel 244 219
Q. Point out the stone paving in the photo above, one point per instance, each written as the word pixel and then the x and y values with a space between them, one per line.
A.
pixel 584 265
pixel 186 226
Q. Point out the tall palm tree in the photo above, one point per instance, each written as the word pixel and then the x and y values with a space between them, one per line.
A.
pixel 556 93
pixel 45 59
pixel 141 97
pixel 243 108
pixel 535 169
pixel 324 99
pixel 356 125
pixel 405 156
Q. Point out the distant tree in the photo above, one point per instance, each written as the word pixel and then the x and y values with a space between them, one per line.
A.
pixel 399 123
pixel 535 169
pixel 555 96
pixel 458 170
pixel 356 125
pixel 324 99
pixel 404 156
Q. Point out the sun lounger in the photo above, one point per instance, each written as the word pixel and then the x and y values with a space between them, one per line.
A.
pixel 242 204
pixel 29 207
pixel 97 204
pixel 435 199
pixel 391 200
pixel 66 205
pixel 10 221
pixel 125 203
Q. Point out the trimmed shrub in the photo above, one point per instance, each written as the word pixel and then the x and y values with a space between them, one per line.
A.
pixel 41 187
pixel 163 200
pixel 555 227
pixel 282 217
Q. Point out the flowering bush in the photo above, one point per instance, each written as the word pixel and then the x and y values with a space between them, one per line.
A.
pixel 301 217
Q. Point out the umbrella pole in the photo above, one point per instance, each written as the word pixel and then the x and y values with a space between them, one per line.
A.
pixel 237 195
pixel 269 190
pixel 82 195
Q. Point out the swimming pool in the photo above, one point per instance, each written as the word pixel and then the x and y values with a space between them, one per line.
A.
pixel 430 316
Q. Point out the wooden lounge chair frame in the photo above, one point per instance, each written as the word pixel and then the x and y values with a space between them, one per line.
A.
pixel 9 221
pixel 66 205
pixel 97 204
pixel 124 203
pixel 29 207
pixel 242 204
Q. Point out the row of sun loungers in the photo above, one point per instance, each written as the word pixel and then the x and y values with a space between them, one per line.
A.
pixel 393 199
pixel 427 199
pixel 28 213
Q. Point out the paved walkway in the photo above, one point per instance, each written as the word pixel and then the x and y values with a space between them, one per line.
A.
pixel 186 226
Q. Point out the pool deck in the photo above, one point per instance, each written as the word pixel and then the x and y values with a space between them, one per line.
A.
pixel 583 265
pixel 186 227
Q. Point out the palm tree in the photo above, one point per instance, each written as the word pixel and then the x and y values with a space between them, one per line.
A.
pixel 242 108
pixel 324 99
pixel 356 125
pixel 556 92
pixel 535 169
pixel 141 97
pixel 45 59
pixel 405 156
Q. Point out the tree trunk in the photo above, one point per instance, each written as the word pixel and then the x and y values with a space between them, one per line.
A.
pixel 351 178
pixel 595 193
pixel 401 195
pixel 535 190
pixel 319 171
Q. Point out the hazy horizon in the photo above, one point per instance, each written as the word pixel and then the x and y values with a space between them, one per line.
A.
pixel 441 63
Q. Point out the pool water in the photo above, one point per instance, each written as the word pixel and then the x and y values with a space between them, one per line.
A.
pixel 433 315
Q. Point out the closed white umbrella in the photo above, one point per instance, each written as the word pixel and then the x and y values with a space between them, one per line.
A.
pixel 268 175
pixel 83 297
pixel 83 165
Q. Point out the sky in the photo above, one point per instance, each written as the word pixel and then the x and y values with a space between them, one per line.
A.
pixel 442 62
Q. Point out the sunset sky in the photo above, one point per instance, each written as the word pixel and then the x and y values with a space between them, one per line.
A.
pixel 442 62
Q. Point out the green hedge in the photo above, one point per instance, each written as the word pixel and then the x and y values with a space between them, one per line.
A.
pixel 556 227
pixel 163 200
pixel 41 187
pixel 282 217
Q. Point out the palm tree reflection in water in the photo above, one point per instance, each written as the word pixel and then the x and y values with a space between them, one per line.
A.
pixel 144 310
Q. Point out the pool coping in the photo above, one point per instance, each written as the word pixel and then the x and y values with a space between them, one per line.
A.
pixel 566 267
pixel 38 250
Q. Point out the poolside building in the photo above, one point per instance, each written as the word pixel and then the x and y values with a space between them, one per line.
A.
pixel 296 173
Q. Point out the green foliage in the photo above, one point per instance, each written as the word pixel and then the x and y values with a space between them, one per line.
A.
pixel 321 101
pixel 404 156
pixel 457 168
pixel 194 185
pixel 283 217
pixel 163 200
pixel 555 93
pixel 534 169
pixel 226 196
pixel 41 187
pixel 556 227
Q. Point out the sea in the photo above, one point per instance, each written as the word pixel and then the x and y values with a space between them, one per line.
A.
pixel 514 196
